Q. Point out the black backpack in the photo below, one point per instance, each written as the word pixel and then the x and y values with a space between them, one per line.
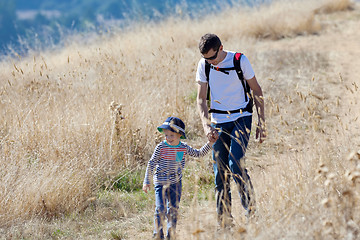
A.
pixel 237 68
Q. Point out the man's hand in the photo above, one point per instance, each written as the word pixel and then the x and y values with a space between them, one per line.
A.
pixel 259 103
pixel 260 132
pixel 146 187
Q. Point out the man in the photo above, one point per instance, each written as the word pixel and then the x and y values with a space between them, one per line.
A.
pixel 231 117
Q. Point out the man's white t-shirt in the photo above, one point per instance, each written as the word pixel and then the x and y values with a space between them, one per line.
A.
pixel 226 91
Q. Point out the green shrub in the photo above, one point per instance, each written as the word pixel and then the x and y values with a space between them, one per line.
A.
pixel 128 180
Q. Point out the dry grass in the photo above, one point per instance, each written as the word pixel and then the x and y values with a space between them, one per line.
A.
pixel 60 141
pixel 335 6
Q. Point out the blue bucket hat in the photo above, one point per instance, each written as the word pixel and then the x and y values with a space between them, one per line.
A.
pixel 174 124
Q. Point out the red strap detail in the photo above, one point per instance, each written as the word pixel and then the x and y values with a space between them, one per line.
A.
pixel 237 56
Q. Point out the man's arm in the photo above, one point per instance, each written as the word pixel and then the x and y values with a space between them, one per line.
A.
pixel 210 132
pixel 259 104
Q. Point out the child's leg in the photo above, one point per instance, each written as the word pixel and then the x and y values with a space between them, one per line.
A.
pixel 159 211
pixel 174 196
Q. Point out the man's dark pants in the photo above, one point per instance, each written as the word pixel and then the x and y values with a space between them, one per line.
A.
pixel 228 154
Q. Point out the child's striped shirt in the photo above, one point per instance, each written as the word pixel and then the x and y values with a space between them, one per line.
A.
pixel 167 162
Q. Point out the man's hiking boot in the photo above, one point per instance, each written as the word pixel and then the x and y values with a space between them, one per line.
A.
pixel 225 221
pixel 157 237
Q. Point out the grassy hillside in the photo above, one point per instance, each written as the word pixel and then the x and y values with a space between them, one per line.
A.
pixel 78 125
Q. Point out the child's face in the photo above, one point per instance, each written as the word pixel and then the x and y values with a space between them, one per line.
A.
pixel 172 138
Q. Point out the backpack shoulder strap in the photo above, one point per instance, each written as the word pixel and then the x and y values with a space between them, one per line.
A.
pixel 207 73
pixel 237 58
pixel 237 66
pixel 207 70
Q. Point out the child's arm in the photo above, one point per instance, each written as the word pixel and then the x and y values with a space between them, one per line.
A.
pixel 203 150
pixel 148 173
pixel 193 152
pixel 150 168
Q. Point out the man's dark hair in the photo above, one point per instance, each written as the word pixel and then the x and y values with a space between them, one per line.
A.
pixel 209 41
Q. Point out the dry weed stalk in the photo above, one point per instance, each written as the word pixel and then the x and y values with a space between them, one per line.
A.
pixel 116 131
pixel 342 200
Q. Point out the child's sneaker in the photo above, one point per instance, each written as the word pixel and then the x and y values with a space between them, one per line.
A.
pixel 250 212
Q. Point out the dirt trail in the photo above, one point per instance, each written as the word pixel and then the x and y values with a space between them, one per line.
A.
pixel 339 40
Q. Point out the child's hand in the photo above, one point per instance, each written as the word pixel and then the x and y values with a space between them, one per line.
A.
pixel 146 187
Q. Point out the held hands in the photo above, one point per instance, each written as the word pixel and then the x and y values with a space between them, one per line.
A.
pixel 212 134
pixel 146 187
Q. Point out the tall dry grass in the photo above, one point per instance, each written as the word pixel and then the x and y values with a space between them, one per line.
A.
pixel 60 140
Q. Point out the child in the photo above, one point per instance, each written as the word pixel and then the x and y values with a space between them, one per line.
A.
pixel 166 165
